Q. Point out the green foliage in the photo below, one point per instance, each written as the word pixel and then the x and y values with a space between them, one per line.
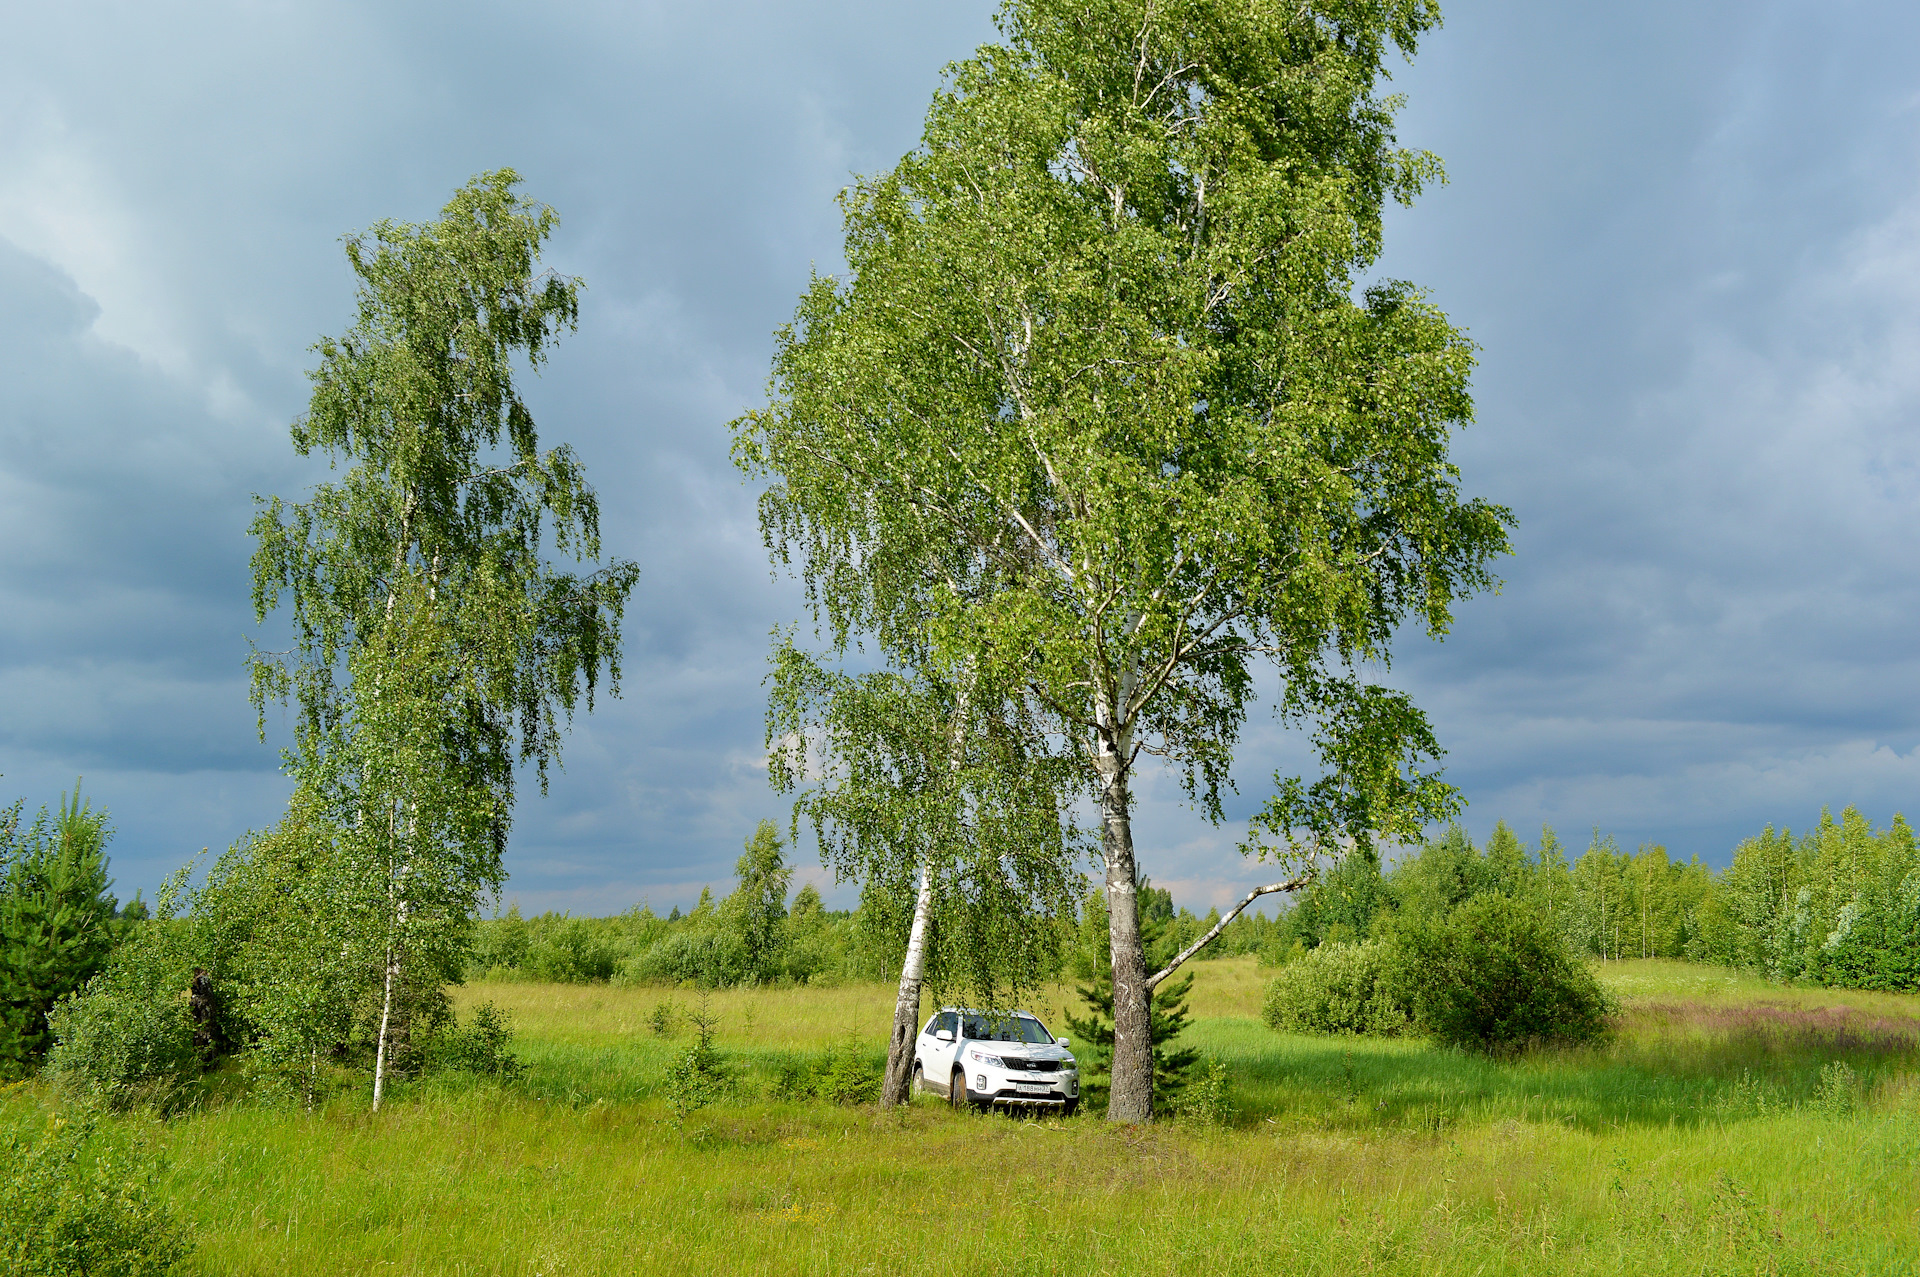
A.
pixel 1339 988
pixel 1495 975
pixel 575 952
pixel 436 646
pixel 420 397
pixel 1104 413
pixel 702 956
pixel 1838 1093
pixel 756 911
pixel 80 1200
pixel 1167 1011
pixel 1207 1099
pixel 937 780
pixel 1337 906
pixel 809 944
pixel 1839 906
pixel 850 1074
pixel 483 1046
pixel 700 1076
pixel 125 1039
pixel 57 921
pixel 504 945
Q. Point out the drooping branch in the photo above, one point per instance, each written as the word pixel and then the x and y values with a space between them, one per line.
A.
pixel 1213 933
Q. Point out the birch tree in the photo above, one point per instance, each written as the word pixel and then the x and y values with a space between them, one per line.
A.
pixel 438 644
pixel 1106 344
pixel 926 788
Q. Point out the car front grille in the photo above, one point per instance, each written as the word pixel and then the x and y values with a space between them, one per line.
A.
pixel 1016 1065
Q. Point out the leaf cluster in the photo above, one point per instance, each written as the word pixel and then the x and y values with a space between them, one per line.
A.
pixel 918 774
pixel 446 486
pixel 1104 400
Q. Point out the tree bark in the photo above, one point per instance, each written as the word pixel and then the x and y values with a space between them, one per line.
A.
pixel 897 1086
pixel 1131 1099
pixel 386 1016
pixel 1213 933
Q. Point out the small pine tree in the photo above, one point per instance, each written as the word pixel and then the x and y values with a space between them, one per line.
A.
pixel 700 1076
pixel 57 921
pixel 1167 1012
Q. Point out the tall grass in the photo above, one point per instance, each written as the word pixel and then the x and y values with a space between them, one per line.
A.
pixel 1726 1129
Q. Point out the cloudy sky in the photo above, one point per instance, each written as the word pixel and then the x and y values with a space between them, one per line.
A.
pixel 1686 237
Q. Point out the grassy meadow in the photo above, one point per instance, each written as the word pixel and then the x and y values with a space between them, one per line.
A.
pixel 1731 1126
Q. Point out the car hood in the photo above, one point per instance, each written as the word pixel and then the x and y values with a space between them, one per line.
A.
pixel 1022 1050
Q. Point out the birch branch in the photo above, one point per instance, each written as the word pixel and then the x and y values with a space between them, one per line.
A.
pixel 1290 884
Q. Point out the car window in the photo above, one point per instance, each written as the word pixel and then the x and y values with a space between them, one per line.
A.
pixel 1017 1028
pixel 932 1024
pixel 1031 1030
pixel 945 1020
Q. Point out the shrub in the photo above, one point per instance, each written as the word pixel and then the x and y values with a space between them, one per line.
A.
pixel 850 1075
pixel 74 1201
pixel 574 954
pixel 1496 975
pixel 708 958
pixel 126 1037
pixel 1338 988
pixel 1207 1100
pixel 483 1046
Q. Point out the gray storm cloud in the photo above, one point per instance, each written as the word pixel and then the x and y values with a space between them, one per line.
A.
pixel 1688 242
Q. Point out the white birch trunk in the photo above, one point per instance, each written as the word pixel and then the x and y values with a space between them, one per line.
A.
pixel 898 1084
pixel 896 1087
pixel 386 1017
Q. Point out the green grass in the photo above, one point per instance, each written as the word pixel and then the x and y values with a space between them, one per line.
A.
pixel 1731 1126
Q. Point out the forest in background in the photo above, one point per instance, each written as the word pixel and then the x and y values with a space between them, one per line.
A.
pixel 1837 905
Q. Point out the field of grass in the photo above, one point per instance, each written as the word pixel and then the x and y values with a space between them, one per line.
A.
pixel 1731 1127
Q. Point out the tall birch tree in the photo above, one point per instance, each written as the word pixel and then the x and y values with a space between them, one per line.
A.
pixel 437 643
pixel 1107 342
pixel 927 788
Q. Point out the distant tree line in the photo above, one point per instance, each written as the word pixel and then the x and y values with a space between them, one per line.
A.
pixel 1837 905
pixel 756 935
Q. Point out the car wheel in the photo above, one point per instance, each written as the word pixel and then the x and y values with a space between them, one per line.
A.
pixel 957 1089
pixel 1072 1107
pixel 917 1084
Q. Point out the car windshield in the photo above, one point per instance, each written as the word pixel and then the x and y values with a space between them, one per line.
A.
pixel 1017 1028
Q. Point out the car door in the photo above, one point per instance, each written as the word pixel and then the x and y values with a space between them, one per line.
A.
pixel 936 1056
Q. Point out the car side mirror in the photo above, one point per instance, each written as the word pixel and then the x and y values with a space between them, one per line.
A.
pixel 1060 1042
pixel 945 1035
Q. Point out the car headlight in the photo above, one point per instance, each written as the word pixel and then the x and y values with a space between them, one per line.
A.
pixel 991 1060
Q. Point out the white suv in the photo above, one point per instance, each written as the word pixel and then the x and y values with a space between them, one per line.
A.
pixel 972 1057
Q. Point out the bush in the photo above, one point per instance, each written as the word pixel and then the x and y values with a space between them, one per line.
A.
pixel 1339 988
pixel 850 1075
pixel 1207 1099
pixel 126 1038
pixel 482 1047
pixel 710 959
pixel 74 1201
pixel 1495 975
pixel 574 954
